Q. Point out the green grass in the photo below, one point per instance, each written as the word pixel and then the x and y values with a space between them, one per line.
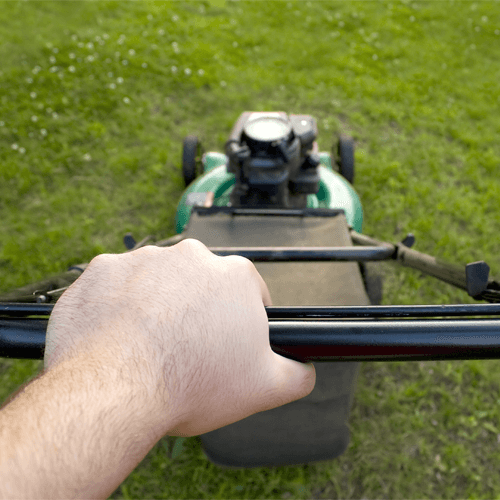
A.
pixel 91 150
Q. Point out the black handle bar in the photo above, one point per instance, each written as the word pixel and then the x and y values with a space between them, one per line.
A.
pixel 323 333
pixel 326 339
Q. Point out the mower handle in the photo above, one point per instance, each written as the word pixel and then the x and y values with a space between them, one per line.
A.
pixel 324 340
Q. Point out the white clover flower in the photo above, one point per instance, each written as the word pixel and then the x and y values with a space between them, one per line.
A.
pixel 150 17
pixel 90 58
pixel 34 118
pixel 90 45
pixel 174 69
pixel 131 52
pixel 126 100
pixel 105 36
pixel 112 86
pixel 175 18
pixel 484 19
pixel 74 38
pixel 33 95
pixel 119 79
pixel 81 45
pixel 235 44
pixel 161 32
pixel 72 56
pixel 223 83
pixel 71 69
pixel 87 157
pixel 14 146
pixel 43 132
pixel 120 41
pixel 2 124
pixel 55 50
pixel 52 59
pixel 187 71
pixel 55 116
pixel 124 62
pixel 497 32
pixel 53 69
pixel 144 65
pixel 412 19
pixel 29 80
pixel 201 72
pixel 374 57
pixel 22 150
pixel 341 24
pixel 110 75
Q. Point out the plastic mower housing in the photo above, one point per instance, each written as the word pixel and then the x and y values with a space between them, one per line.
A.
pixel 271 160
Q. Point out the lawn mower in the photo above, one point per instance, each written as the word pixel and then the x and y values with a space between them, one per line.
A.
pixel 275 199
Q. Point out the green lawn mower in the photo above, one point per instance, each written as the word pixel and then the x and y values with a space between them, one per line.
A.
pixel 273 198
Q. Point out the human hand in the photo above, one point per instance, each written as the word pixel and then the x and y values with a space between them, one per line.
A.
pixel 185 328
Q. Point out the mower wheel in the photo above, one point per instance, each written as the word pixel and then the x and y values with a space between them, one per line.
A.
pixel 345 157
pixel 191 159
pixel 373 281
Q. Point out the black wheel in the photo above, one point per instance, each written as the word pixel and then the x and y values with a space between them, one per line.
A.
pixel 373 282
pixel 191 159
pixel 345 157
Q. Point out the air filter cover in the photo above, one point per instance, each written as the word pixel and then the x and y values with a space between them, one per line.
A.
pixel 267 129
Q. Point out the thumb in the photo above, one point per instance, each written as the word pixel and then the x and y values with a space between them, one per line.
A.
pixel 292 380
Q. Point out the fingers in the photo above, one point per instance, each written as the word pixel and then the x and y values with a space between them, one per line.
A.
pixel 264 290
pixel 191 244
pixel 291 381
pixel 266 295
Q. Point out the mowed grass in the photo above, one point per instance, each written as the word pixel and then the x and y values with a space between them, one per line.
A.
pixel 95 99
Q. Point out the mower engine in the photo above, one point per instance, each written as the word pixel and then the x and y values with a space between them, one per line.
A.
pixel 272 159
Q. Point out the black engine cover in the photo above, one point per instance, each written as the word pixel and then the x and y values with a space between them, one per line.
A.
pixel 269 155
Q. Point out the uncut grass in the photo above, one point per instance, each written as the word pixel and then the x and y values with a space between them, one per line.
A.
pixel 415 83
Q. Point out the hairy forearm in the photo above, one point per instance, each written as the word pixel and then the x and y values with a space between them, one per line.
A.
pixel 77 431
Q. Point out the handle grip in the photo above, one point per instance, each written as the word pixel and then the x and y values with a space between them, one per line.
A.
pixel 325 340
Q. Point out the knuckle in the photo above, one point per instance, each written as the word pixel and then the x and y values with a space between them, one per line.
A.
pixel 101 259
pixel 240 262
pixel 192 245
pixel 146 249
